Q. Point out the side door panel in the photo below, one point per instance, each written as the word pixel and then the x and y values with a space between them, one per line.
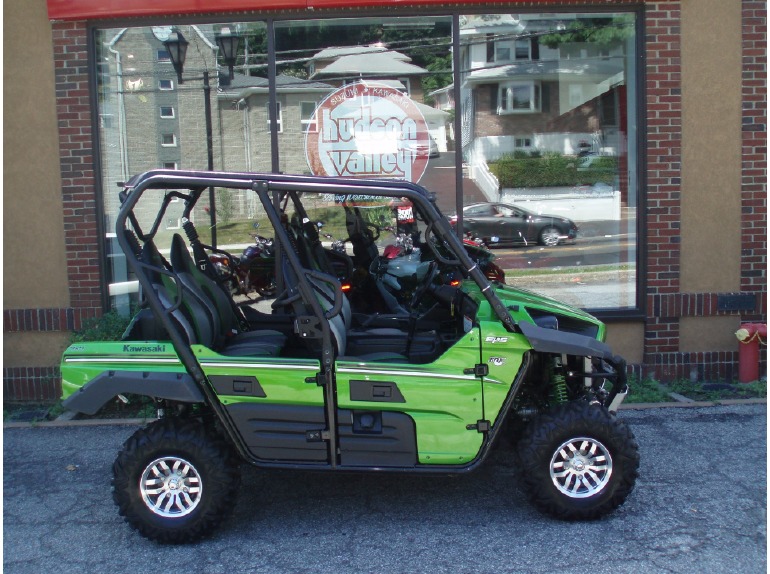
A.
pixel 272 404
pixel 422 412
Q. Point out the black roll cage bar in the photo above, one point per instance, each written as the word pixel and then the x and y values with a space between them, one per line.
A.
pixel 198 181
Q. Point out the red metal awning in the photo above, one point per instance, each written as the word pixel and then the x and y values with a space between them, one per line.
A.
pixel 102 9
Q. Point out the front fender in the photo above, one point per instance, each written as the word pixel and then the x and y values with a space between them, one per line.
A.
pixel 171 386
pixel 553 341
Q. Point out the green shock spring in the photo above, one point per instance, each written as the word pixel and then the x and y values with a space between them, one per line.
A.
pixel 558 382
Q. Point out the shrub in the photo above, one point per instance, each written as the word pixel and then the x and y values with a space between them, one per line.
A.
pixel 108 327
pixel 521 169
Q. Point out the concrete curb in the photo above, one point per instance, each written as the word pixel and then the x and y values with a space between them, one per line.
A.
pixel 139 422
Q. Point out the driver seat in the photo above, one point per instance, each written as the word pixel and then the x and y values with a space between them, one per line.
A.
pixel 325 295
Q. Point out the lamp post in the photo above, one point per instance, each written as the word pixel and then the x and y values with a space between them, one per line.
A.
pixel 227 43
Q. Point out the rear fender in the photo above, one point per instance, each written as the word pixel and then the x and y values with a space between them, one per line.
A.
pixel 92 396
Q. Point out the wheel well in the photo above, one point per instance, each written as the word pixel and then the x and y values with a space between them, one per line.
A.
pixel 177 387
pixel 555 379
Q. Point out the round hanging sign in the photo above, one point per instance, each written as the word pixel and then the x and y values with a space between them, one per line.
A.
pixel 368 130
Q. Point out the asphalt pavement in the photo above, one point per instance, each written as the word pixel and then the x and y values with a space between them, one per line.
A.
pixel 700 505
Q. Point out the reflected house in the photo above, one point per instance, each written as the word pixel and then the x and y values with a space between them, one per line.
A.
pixel 520 94
pixel 340 66
pixel 147 119
pixel 155 122
pixel 243 105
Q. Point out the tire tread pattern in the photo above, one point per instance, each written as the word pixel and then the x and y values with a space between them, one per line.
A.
pixel 548 430
pixel 209 453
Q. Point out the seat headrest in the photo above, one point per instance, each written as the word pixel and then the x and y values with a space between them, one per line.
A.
pixel 181 261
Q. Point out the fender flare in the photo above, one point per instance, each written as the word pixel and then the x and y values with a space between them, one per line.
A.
pixel 172 386
pixel 553 341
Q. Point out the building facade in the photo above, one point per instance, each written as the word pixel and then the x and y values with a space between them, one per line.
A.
pixel 645 122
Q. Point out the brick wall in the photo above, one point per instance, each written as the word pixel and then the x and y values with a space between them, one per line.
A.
pixel 665 304
pixel 754 152
pixel 73 106
pixel 663 212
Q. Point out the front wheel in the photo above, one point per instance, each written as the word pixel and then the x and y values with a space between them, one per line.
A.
pixel 578 461
pixel 550 237
pixel 174 482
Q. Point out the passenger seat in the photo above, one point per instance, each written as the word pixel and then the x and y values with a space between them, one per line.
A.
pixel 197 314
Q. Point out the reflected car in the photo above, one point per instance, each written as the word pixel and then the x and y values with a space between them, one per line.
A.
pixel 421 149
pixel 502 223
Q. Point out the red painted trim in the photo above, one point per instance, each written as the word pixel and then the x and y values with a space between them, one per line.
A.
pixel 98 9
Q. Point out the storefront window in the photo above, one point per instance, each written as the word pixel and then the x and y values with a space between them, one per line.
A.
pixel 544 129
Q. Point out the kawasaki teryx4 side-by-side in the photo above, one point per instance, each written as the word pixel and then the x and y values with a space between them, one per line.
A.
pixel 422 371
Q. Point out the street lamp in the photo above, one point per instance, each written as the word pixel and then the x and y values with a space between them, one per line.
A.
pixel 228 47
pixel 176 45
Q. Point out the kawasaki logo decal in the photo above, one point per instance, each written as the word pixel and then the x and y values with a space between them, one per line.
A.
pixel 144 348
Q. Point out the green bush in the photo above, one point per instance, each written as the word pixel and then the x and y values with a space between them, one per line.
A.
pixel 108 327
pixel 551 170
pixel 646 391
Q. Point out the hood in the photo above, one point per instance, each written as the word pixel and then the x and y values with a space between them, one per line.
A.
pixel 525 305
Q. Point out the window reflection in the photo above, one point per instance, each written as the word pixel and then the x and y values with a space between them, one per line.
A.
pixel 546 117
pixel 545 110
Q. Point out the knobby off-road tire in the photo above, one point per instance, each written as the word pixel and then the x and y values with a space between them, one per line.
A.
pixel 578 461
pixel 174 482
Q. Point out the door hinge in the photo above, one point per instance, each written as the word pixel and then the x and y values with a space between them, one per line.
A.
pixel 480 370
pixel 480 426
pixel 317 435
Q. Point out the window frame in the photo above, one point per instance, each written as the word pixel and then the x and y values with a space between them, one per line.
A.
pixel 307 125
pixel 505 96
pixel 278 116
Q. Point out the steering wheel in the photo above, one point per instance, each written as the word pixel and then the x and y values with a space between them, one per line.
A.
pixel 426 284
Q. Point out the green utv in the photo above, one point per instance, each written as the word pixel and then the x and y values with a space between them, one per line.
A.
pixel 306 381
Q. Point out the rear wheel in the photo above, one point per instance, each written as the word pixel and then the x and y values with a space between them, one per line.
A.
pixel 578 461
pixel 174 482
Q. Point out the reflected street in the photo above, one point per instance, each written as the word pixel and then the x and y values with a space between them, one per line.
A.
pixel 596 249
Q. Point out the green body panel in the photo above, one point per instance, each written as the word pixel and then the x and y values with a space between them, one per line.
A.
pixel 503 352
pixel 282 379
pixel 82 362
pixel 517 301
pixel 444 402
pixel 439 397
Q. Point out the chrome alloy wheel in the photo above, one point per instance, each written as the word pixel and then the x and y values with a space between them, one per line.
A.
pixel 550 237
pixel 581 467
pixel 171 487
